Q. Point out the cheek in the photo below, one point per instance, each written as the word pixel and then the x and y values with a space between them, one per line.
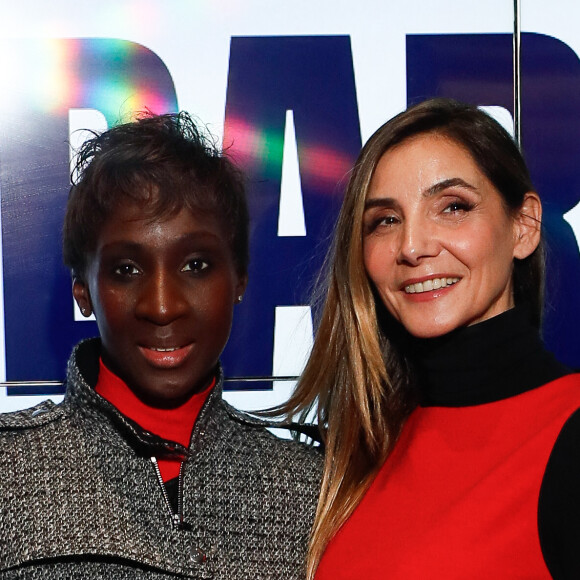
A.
pixel 111 308
pixel 378 261
pixel 215 304
pixel 379 265
pixel 485 249
pixel 467 253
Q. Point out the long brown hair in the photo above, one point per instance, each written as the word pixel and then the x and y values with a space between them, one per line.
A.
pixel 357 377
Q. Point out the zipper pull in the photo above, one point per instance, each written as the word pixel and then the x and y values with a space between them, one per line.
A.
pixel 179 524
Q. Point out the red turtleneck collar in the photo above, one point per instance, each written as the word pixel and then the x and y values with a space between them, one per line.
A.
pixel 172 424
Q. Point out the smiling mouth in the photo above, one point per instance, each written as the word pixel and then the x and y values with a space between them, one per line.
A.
pixel 166 357
pixel 429 285
pixel 172 349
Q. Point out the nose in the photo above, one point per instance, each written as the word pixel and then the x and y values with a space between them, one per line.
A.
pixel 417 241
pixel 162 299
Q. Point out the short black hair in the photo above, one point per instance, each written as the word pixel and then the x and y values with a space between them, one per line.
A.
pixel 164 162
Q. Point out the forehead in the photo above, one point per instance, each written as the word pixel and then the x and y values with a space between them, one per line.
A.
pixel 143 222
pixel 421 161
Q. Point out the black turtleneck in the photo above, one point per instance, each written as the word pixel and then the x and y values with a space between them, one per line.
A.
pixel 493 360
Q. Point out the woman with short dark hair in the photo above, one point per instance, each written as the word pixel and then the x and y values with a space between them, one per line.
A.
pixel 144 471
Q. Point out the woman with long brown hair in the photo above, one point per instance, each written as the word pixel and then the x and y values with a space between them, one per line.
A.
pixel 441 412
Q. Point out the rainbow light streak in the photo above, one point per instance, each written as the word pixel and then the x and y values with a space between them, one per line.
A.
pixel 35 73
pixel 145 98
pixel 125 95
pixel 325 166
pixel 57 57
pixel 253 148
pixel 258 149
pixel 54 75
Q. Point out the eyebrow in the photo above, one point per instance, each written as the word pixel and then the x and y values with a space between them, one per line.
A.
pixel 446 183
pixel 389 202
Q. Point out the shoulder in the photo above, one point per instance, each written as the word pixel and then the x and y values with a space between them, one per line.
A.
pixel 570 380
pixel 32 418
pixel 566 385
pixel 251 436
pixel 559 500
pixel 27 441
pixel 257 428
pixel 565 456
pixel 28 435
pixel 553 402
pixel 565 397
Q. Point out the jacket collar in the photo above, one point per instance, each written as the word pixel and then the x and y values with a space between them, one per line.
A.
pixel 82 374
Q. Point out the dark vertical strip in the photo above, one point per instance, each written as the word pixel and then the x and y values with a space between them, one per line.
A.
pixel 517 71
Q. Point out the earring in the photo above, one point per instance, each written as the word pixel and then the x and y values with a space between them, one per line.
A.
pixel 240 298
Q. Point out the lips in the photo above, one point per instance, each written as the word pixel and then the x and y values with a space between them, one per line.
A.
pixel 166 357
pixel 430 284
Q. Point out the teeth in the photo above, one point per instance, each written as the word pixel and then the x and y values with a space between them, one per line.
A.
pixel 164 349
pixel 429 285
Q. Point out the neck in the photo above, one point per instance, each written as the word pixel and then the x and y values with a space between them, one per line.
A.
pixel 489 361
pixel 174 424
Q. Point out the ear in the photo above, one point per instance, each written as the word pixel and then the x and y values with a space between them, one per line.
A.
pixel 241 288
pixel 82 296
pixel 527 226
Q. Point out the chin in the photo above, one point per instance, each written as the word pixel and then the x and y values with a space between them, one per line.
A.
pixel 163 398
pixel 428 333
pixel 432 329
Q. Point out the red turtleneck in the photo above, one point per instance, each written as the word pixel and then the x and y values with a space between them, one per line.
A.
pixel 172 424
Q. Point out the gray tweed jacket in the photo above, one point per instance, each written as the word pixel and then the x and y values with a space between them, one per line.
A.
pixel 80 498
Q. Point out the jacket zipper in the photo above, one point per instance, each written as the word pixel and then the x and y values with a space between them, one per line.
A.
pixel 176 518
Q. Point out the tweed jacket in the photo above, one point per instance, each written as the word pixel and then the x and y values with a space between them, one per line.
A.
pixel 81 497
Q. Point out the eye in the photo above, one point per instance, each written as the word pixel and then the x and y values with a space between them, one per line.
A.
pixel 389 220
pixel 458 206
pixel 381 222
pixel 196 265
pixel 126 270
